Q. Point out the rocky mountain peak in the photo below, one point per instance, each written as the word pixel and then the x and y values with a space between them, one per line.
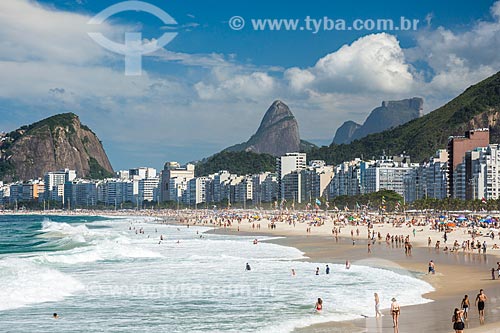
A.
pixel 277 134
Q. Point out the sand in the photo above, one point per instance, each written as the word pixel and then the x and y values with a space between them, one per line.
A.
pixel 457 273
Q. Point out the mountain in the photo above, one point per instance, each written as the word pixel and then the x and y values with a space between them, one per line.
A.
pixel 389 114
pixel 238 162
pixel 345 132
pixel 277 134
pixel 58 142
pixel 476 107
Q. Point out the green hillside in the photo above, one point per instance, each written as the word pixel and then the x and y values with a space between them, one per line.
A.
pixel 476 107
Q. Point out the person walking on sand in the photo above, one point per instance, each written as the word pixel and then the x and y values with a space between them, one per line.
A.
pixel 432 267
pixel 377 306
pixel 458 321
pixel 395 311
pixel 480 300
pixel 465 306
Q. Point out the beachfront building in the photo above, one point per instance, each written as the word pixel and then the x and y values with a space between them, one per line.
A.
pixel 16 192
pixel 4 193
pixel 347 179
pixel 54 184
pixel 436 176
pixel 457 147
pixel 292 187
pixel 118 191
pixel 196 192
pixel 243 189
pixel 173 180
pixel 478 176
pixel 142 173
pixel 32 190
pixel 147 187
pixel 265 188
pixel 286 165
pixel 81 193
pixel 388 173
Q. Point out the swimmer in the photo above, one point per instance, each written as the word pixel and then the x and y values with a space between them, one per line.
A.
pixel 55 316
pixel 319 305
pixel 248 268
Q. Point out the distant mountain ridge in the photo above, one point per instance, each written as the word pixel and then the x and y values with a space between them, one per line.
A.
pixel 477 107
pixel 390 114
pixel 277 134
pixel 58 142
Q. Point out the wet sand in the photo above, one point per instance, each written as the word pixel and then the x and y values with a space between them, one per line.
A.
pixel 457 274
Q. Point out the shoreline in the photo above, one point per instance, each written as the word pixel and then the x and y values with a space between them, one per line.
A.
pixel 457 273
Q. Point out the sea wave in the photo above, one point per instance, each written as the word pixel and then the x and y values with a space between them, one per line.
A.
pixel 25 282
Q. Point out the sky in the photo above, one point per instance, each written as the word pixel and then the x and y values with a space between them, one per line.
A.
pixel 210 86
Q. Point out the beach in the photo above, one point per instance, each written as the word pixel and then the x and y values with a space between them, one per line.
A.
pixel 457 273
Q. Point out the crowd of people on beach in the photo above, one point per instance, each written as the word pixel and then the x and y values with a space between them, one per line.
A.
pixel 340 222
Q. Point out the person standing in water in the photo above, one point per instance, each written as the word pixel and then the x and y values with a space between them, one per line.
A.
pixel 480 300
pixel 395 311
pixel 377 306
pixel 248 268
pixel 327 269
pixel 319 305
pixel 317 270
pixel 465 306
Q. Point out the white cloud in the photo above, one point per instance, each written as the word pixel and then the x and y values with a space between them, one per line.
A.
pixel 373 63
pixel 225 86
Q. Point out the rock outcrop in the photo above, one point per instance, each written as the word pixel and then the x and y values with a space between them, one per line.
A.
pixel 390 114
pixel 55 143
pixel 277 134
pixel 345 132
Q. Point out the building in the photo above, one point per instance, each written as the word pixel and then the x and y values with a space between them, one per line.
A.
pixel 264 187
pixel 54 184
pixel 147 187
pixel 171 171
pixel 347 178
pixel 142 173
pixel 459 145
pixel 243 190
pixel 33 190
pixel 81 193
pixel 437 176
pixel 286 165
pixel 196 191
pixel 478 176
pixel 387 174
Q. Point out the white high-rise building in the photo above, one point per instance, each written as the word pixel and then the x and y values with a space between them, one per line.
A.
pixel 387 174
pixel 147 188
pixel 171 171
pixel 285 165
pixel 54 183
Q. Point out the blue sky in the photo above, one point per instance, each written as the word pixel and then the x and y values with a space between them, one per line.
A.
pixel 209 88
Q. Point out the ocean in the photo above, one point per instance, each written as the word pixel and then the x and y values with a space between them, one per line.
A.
pixel 104 275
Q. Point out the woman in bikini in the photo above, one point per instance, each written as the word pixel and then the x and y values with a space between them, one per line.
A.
pixel 458 321
pixel 319 305
pixel 395 311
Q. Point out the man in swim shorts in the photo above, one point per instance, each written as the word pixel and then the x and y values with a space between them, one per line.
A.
pixel 480 300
